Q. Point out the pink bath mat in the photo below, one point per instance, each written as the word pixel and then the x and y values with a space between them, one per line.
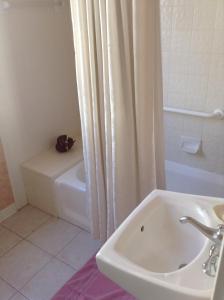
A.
pixel 90 284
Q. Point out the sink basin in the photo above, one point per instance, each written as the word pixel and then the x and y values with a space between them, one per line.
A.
pixel 153 256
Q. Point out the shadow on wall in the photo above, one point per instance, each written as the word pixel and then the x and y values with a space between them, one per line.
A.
pixel 38 90
pixel 6 196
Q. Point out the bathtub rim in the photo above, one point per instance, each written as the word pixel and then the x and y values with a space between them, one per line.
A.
pixel 198 173
pixel 76 183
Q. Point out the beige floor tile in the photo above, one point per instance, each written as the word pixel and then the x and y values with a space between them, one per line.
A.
pixel 48 281
pixel 8 240
pixel 6 291
pixel 18 296
pixel 54 235
pixel 21 263
pixel 26 221
pixel 82 248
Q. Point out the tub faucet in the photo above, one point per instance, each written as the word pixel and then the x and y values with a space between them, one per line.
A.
pixel 213 234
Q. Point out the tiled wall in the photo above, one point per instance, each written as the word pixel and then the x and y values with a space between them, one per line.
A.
pixel 193 73
pixel 6 197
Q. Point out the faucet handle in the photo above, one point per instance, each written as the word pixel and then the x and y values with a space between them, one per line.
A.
pixel 220 232
pixel 211 264
pixel 221 228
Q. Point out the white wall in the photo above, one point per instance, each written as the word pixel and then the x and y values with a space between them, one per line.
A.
pixel 193 70
pixel 38 98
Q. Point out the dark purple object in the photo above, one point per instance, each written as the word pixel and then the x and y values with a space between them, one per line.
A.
pixel 64 143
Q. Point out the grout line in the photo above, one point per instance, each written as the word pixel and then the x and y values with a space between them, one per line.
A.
pixel 21 236
pixel 67 264
pixel 69 242
pixel 18 292
pixel 37 228
pixel 22 240
pixel 50 255
pixel 9 250
pixel 36 273
pixel 9 284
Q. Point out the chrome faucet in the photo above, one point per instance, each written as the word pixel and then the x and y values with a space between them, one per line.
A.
pixel 213 234
pixel 211 264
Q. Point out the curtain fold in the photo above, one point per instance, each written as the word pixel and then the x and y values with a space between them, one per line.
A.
pixel 118 68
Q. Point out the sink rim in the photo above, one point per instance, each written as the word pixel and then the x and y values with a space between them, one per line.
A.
pixel 133 217
pixel 122 264
pixel 111 257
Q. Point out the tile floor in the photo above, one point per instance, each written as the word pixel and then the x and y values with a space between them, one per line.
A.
pixel 39 253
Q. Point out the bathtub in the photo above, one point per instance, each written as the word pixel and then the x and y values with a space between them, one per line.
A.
pixel 185 179
pixel 72 204
pixel 71 198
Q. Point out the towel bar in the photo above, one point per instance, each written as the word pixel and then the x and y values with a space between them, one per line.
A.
pixel 216 114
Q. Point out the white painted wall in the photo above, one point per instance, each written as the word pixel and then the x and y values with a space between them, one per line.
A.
pixel 38 99
pixel 193 71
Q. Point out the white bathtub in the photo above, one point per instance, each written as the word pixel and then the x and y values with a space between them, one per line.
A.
pixel 185 179
pixel 71 196
pixel 71 189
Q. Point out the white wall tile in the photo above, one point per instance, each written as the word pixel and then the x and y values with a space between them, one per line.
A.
pixel 201 41
pixel 166 15
pixel 166 39
pixel 181 41
pixel 219 22
pixel 218 45
pixel 193 68
pixel 182 18
pixel 205 15
pixel 199 63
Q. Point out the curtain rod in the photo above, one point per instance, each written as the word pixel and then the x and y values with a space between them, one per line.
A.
pixel 6 5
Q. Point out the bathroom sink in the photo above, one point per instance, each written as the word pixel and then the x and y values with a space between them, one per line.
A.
pixel 153 256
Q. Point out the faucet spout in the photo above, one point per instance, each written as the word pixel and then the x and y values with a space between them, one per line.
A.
pixel 213 234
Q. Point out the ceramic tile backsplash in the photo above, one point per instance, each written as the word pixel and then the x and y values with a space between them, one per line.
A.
pixel 6 196
pixel 193 73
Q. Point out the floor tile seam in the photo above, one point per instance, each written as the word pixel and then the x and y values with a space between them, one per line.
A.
pixel 17 243
pixel 51 259
pixel 69 242
pixel 52 254
pixel 20 290
pixel 66 263
pixel 9 284
pixel 12 231
pixel 37 228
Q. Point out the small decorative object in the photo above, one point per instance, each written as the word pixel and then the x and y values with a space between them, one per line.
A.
pixel 64 143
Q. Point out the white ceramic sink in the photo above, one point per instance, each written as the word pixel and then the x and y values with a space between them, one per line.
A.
pixel 146 252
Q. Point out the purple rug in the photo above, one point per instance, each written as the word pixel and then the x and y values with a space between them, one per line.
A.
pixel 90 284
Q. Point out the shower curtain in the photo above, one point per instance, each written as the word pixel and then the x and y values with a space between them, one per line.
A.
pixel 118 69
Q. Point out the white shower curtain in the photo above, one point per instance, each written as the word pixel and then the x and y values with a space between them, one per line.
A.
pixel 118 68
